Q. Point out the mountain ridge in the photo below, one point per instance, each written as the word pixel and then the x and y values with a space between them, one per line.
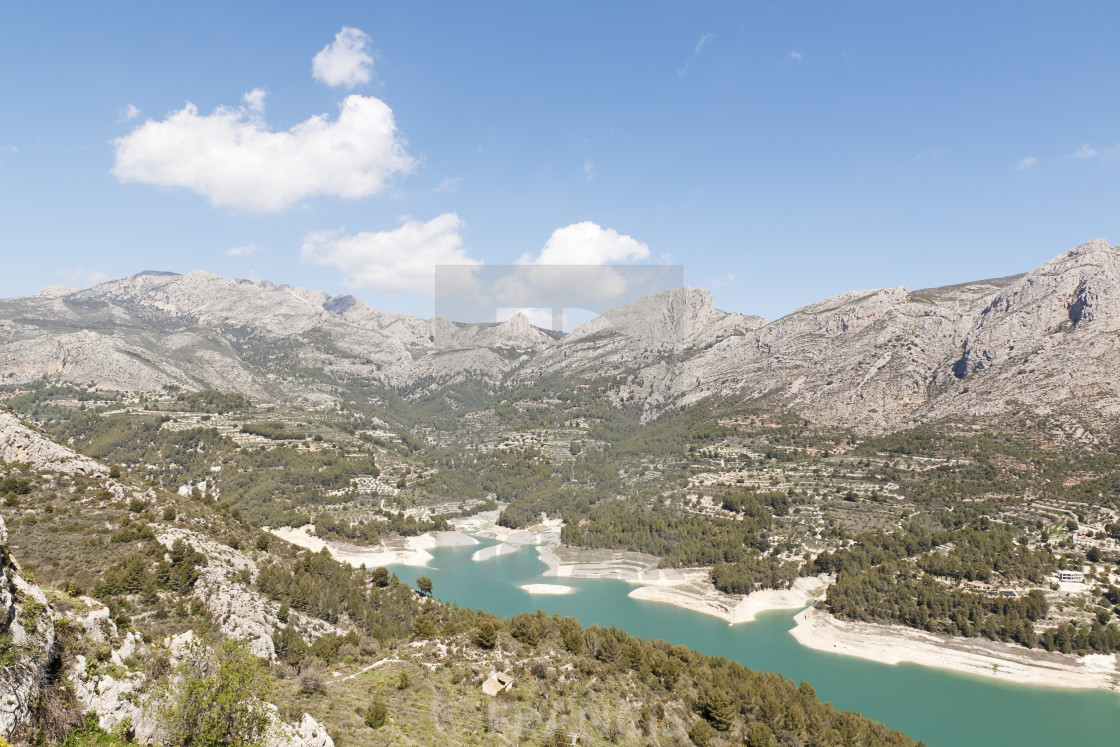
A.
pixel 872 359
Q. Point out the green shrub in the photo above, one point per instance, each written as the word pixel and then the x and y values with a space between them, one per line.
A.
pixel 377 715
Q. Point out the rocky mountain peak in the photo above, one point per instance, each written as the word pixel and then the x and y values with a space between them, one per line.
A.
pixel 55 291
pixel 1089 248
pixel 670 318
pixel 519 324
pixel 342 304
pixel 1078 288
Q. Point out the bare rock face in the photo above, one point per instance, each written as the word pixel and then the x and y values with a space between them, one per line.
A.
pixel 676 318
pixel 55 291
pixel 676 323
pixel 308 733
pixel 27 618
pixel 113 699
pixel 864 358
pixel 1078 291
pixel 21 443
pixel 239 611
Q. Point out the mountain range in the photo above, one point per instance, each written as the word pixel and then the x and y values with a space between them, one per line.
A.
pixel 1040 346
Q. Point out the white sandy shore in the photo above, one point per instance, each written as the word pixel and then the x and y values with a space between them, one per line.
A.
pixel 546 533
pixel 493 551
pixel 892 644
pixel 479 522
pixel 688 588
pixel 396 551
pixel 548 589
pixel 703 597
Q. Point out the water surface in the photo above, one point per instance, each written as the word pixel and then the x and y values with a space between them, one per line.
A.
pixel 938 707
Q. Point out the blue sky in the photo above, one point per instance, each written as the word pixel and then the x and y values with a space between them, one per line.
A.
pixel 780 152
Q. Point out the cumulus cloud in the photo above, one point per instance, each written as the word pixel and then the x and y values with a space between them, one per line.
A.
pixel 723 280
pixel 130 112
pixel 1027 162
pixel 1085 151
pixel 345 61
pixel 243 251
pixel 403 259
pixel 231 157
pixel 560 269
pixel 587 243
pixel 450 184
pixel 254 100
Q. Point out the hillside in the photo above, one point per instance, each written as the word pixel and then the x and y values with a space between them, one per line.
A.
pixel 145 601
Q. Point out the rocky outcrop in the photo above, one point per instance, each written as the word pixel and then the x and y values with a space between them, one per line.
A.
pixel 677 318
pixel 308 733
pixel 113 699
pixel 27 642
pixel 238 611
pixel 116 700
pixel 22 443
pixel 1078 292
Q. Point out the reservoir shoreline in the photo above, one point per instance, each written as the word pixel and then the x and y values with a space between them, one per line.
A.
pixel 690 589
pixel 895 644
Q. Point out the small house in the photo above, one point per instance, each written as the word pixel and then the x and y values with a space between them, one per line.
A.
pixel 496 682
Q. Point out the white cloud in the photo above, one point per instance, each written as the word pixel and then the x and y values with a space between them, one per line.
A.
pixel 345 61
pixel 130 112
pixel 588 243
pixel 76 277
pixel 557 271
pixel 1027 162
pixel 589 170
pixel 1085 151
pixel 243 251
pixel 450 184
pixel 704 39
pixel 794 57
pixel 232 158
pixel 8 149
pixel 681 72
pixel 723 280
pixel 254 100
pixel 403 259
